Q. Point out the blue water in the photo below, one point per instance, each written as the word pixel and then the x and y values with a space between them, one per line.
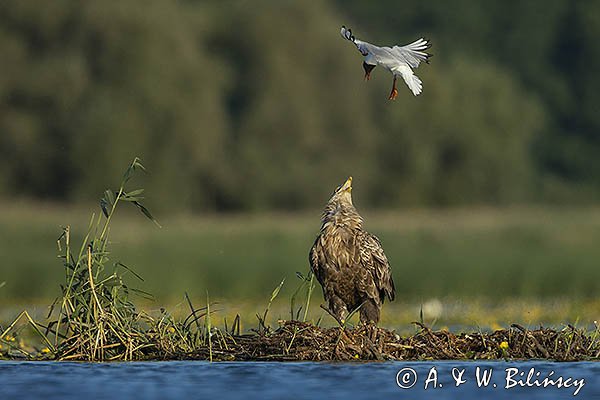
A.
pixel 253 380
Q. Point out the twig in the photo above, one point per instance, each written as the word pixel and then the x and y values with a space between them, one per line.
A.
pixel 333 315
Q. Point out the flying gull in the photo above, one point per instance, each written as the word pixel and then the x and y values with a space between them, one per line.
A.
pixel 399 60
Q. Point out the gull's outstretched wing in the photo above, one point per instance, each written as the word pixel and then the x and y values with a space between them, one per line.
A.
pixel 412 54
pixel 364 47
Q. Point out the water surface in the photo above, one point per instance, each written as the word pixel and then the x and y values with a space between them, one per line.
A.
pixel 261 380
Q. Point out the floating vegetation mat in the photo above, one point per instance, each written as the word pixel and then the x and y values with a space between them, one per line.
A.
pixel 299 341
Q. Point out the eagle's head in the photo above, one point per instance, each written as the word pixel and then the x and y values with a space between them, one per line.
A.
pixel 340 210
pixel 343 193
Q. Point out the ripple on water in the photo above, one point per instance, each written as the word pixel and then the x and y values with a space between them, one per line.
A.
pixel 261 380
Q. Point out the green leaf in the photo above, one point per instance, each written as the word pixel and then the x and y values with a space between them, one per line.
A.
pixel 132 199
pixel 134 193
pixel 146 212
pixel 104 206
pixel 120 264
pixel 110 281
pixel 109 196
pixel 128 173
pixel 143 294
pixel 135 164
pixel 276 291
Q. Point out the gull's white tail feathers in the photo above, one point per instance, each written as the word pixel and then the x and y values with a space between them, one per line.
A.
pixel 412 81
pixel 414 84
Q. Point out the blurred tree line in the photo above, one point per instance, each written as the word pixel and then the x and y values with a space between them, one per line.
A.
pixel 249 105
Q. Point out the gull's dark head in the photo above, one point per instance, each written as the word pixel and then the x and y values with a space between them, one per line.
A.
pixel 368 68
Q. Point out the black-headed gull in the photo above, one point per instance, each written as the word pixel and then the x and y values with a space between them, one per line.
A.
pixel 399 60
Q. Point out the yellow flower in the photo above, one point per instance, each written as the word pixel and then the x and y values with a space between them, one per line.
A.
pixel 504 345
pixel 171 329
pixel 356 356
pixel 0 346
pixel 45 350
pixel 9 338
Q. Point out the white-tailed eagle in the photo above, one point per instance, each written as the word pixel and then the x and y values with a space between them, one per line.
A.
pixel 349 262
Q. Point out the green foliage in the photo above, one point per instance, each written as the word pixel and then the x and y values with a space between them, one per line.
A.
pixel 502 254
pixel 95 318
pixel 443 161
pixel 241 107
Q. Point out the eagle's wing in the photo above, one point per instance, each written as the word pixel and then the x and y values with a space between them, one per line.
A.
pixel 373 258
pixel 313 259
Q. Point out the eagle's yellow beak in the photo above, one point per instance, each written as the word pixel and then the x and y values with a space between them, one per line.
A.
pixel 347 186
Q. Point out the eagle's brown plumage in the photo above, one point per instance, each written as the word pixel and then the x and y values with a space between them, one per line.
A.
pixel 348 262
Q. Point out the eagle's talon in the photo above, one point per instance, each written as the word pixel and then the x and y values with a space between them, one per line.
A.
pixel 393 94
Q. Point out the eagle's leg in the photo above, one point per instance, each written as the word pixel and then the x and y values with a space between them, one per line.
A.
pixel 394 92
pixel 368 68
pixel 338 309
pixel 369 312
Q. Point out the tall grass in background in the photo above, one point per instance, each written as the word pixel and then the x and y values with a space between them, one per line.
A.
pixel 95 319
pixel 476 253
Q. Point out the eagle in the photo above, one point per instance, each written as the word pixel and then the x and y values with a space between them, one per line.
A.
pixel 349 262
pixel 399 60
